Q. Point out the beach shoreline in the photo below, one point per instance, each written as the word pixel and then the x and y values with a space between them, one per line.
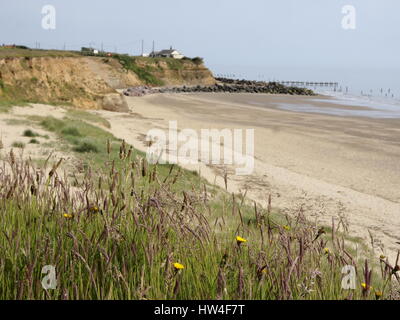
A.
pixel 330 167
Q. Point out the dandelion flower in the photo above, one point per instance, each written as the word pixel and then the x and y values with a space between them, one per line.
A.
pixel 378 294
pixel 240 240
pixel 94 209
pixel 68 216
pixel 382 257
pixel 365 286
pixel 178 266
pixel 287 228
pixel 327 251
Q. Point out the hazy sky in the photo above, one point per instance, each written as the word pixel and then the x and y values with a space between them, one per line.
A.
pixel 298 33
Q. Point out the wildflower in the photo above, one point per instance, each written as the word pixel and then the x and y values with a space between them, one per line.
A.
pixel 240 240
pixel 68 216
pixel 94 209
pixel 382 257
pixel 327 251
pixel 287 228
pixel 365 286
pixel 378 294
pixel 178 266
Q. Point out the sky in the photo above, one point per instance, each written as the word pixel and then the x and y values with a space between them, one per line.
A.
pixel 251 33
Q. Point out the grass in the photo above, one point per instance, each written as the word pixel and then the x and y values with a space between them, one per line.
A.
pixel 88 117
pixel 116 228
pixel 79 136
pixel 86 147
pixel 18 144
pixel 6 104
pixel 143 73
pixel 30 53
pixel 119 230
pixel 34 141
pixel 30 133
pixel 71 131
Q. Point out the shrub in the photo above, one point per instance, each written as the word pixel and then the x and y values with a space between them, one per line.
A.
pixel 86 147
pixel 30 133
pixel 34 141
pixel 18 144
pixel 71 131
pixel 198 60
pixel 52 124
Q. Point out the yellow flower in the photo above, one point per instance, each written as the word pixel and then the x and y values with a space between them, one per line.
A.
pixel 326 251
pixel 68 216
pixel 378 294
pixel 382 257
pixel 240 240
pixel 93 209
pixel 287 228
pixel 365 287
pixel 178 266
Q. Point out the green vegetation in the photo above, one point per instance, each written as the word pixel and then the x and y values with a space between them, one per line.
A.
pixel 144 73
pixel 18 144
pixel 31 53
pixel 198 60
pixel 79 136
pixel 34 141
pixel 30 133
pixel 71 131
pixel 88 117
pixel 86 147
pixel 121 228
pixel 6 104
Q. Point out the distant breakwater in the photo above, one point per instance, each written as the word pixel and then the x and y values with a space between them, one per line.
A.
pixel 223 85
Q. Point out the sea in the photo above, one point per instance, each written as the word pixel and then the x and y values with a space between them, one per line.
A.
pixel 375 91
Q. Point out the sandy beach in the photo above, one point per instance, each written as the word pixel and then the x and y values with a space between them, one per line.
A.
pixel 341 167
pixel 328 165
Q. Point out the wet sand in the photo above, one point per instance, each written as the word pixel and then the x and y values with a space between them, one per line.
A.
pixel 330 166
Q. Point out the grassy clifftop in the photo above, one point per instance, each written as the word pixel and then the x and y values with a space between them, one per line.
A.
pixel 168 71
pixel 64 77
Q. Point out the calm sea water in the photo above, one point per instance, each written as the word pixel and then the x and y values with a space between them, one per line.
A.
pixel 378 90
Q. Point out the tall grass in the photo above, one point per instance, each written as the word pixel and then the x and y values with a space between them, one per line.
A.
pixel 131 230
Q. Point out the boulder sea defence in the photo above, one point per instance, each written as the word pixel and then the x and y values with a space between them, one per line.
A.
pixel 223 85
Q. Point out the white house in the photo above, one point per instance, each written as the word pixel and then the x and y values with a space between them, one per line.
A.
pixel 171 53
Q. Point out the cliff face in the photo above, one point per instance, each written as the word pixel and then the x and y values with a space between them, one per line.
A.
pixel 89 82
pixel 176 72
